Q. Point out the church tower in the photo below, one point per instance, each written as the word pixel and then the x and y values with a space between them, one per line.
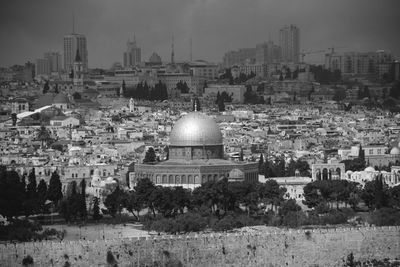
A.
pixel 78 72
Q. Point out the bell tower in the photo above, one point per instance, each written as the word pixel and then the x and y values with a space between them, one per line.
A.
pixel 78 72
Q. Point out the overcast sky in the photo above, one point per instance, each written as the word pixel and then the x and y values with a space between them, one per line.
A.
pixel 28 28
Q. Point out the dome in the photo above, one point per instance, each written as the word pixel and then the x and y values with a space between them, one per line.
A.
pixel 155 58
pixel 60 99
pixel 369 169
pixel 45 100
pixel 395 151
pixel 195 129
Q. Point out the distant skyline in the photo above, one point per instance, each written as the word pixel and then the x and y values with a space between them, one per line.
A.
pixel 28 29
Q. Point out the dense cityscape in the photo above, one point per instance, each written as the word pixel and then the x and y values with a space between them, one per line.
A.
pixel 261 143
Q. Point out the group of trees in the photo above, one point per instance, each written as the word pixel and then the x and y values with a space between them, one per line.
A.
pixel 20 198
pixel 221 99
pixel 73 205
pixel 182 87
pixel 279 167
pixel 326 195
pixel 216 198
pixel 251 97
pixel 237 80
pixel 145 92
pixel 325 76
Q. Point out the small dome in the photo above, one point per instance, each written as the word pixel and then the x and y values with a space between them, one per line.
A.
pixel 369 169
pixel 395 151
pixel 96 173
pixel 60 99
pixel 196 129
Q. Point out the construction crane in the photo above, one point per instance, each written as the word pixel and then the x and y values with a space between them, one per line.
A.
pixel 332 49
pixel 303 54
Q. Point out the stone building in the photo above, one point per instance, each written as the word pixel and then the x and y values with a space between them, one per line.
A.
pixel 196 156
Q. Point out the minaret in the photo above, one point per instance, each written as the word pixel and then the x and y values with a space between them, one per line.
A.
pixel 196 104
pixel 131 105
pixel 78 72
pixel 172 51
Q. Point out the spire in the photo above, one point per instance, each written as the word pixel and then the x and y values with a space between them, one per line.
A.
pixel 77 56
pixel 172 50
pixel 191 55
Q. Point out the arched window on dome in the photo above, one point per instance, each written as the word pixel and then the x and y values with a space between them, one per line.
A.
pixel 164 179
pixel 171 179
pixel 177 179
pixel 204 179
pixel 209 178
pixel 158 179
pixel 197 179
pixel 190 179
pixel 184 180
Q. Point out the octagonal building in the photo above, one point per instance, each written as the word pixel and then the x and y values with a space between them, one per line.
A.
pixel 196 156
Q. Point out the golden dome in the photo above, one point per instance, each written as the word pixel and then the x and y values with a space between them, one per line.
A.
pixel 195 129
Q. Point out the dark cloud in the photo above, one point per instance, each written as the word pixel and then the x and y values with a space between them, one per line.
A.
pixel 30 28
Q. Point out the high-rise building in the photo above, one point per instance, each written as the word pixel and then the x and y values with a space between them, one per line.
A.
pixel 289 41
pixel 72 43
pixel 239 57
pixel 54 59
pixel 268 52
pixel 133 54
pixel 42 67
pixel 364 63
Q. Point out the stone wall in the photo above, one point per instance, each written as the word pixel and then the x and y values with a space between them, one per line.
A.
pixel 318 247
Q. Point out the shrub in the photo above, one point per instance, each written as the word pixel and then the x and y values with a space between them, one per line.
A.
pixel 385 216
pixel 225 224
pixel 27 261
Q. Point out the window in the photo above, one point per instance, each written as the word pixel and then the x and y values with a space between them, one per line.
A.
pixel 371 151
pixel 379 151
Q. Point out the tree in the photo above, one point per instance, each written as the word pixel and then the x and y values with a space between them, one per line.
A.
pixel 150 156
pixel 395 197
pixel 44 135
pixel 221 105
pixel 82 208
pixel 271 194
pixel 54 192
pixel 42 195
pixel 14 119
pixel 12 193
pixel 261 165
pixel 46 87
pixel 134 203
pixel 31 200
pixel 76 95
pixel 114 202
pixel 56 89
pixel 181 199
pixel 96 209
pixel 340 94
pixel 241 154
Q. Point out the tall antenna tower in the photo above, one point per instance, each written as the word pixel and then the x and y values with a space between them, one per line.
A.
pixel 172 51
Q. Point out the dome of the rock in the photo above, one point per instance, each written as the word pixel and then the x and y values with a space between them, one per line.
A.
pixel 196 129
